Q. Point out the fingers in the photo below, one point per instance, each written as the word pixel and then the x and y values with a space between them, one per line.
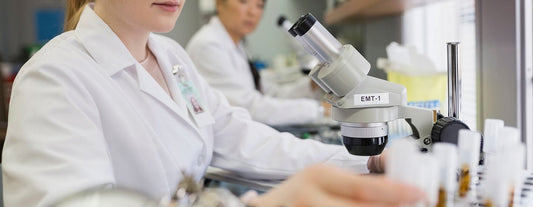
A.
pixel 249 197
pixel 320 199
pixel 383 160
pixel 364 188
pixel 317 198
pixel 323 185
pixel 376 164
pixel 327 200
pixel 380 189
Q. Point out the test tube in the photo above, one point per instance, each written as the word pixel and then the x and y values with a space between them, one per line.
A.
pixel 469 145
pixel 446 155
pixel 513 154
pixel 427 178
pixel 495 191
pixel 401 160
pixel 406 164
pixel 508 137
pixel 503 183
pixel 490 138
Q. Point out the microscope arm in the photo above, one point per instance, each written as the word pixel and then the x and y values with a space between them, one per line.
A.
pixel 421 121
pixel 364 105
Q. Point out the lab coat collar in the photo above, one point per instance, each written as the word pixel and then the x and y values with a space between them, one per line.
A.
pixel 102 43
pixel 108 50
pixel 225 38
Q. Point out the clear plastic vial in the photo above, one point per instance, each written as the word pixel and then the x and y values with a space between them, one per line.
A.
pixel 446 155
pixel 469 150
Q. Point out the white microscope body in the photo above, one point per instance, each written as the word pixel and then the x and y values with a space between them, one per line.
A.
pixel 362 104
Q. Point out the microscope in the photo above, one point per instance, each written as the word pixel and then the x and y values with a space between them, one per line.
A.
pixel 363 104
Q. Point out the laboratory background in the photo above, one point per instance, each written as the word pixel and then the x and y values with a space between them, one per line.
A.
pixel 413 43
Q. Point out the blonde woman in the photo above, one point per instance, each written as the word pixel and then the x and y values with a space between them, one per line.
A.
pixel 104 105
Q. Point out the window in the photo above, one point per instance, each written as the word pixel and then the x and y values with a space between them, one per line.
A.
pixel 429 28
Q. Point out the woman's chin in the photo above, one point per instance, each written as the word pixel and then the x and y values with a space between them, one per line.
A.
pixel 163 28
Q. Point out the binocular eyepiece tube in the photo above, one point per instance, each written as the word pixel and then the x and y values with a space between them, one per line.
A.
pixel 316 38
pixel 341 70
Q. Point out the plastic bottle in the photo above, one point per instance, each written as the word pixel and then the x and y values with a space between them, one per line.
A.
pixel 469 147
pixel 446 155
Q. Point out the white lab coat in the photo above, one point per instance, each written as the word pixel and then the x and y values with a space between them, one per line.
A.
pixel 84 113
pixel 225 67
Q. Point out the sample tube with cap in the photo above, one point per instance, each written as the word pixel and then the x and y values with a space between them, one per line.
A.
pixel 401 160
pixel 513 154
pixel 495 190
pixel 516 156
pixel 490 137
pixel 503 183
pixel 406 164
pixel 469 146
pixel 508 137
pixel 446 155
pixel 427 177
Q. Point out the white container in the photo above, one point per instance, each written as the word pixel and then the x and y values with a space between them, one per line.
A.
pixel 491 134
pixel 446 155
pixel 469 150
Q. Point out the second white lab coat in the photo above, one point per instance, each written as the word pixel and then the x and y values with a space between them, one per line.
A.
pixel 84 113
pixel 225 67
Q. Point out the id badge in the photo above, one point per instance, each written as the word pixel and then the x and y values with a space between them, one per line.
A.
pixel 195 104
pixel 190 94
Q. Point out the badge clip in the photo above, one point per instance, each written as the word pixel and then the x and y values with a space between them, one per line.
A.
pixel 176 69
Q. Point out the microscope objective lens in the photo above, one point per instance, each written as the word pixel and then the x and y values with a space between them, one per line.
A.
pixel 365 146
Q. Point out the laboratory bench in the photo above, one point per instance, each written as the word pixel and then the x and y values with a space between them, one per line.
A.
pixel 238 185
pixel 216 177
pixel 325 133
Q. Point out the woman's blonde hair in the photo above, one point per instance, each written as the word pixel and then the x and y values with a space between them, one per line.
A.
pixel 74 9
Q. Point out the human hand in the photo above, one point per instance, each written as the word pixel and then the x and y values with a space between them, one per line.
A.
pixel 376 164
pixel 323 185
pixel 327 109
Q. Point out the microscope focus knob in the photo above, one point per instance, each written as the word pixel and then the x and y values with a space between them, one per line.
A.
pixel 447 130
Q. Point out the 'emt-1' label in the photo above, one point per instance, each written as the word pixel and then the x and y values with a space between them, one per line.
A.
pixel 371 99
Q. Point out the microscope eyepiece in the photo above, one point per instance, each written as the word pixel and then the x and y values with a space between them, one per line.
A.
pixel 292 30
pixel 281 19
pixel 321 43
pixel 304 24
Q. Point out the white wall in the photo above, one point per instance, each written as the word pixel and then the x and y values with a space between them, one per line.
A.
pixel 188 23
pixel 269 40
pixel 505 65
pixel 17 27
pixel 3 24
